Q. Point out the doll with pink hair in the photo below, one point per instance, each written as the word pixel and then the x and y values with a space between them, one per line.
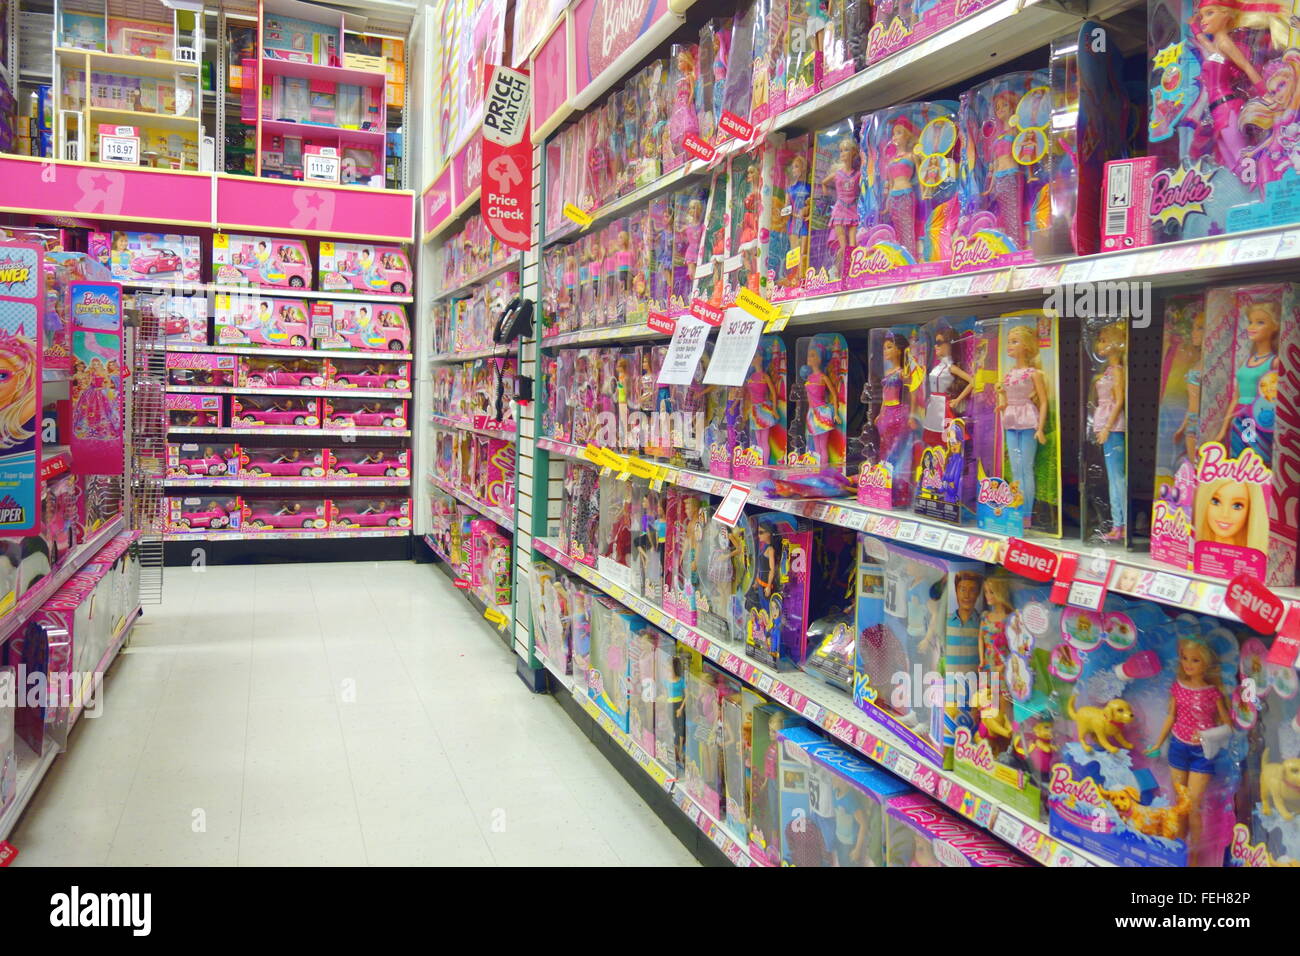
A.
pixel 898 166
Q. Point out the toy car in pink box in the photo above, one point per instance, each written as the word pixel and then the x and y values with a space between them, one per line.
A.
pixel 370 462
pixel 240 320
pixel 202 514
pixel 361 373
pixel 282 463
pixel 368 327
pixel 214 461
pixel 285 514
pixel 131 256
pixel 200 368
pixel 257 372
pixel 260 261
pixel 370 513
pixel 190 408
pixel 364 267
pixel 364 413
pixel 276 411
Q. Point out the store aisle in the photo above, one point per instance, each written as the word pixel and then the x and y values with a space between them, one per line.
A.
pixel 329 714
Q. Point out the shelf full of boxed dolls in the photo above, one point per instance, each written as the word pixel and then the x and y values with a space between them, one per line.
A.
pixel 1033 338
pixel 267 390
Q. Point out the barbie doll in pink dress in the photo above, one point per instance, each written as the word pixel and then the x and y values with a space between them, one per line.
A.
pixel 683 121
pixel 894 423
pixel 844 178
pixel 760 400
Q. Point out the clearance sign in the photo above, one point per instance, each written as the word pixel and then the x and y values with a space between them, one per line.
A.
pixel 506 201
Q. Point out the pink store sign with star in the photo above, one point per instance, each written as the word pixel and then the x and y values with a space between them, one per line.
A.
pixel 339 211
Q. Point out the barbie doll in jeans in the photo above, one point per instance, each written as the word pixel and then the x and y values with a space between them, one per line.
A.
pixel 1022 403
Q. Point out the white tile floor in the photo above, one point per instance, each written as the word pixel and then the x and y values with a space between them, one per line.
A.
pixel 329 714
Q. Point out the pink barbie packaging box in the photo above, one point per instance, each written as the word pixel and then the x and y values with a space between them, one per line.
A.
pixel 256 371
pixel 364 267
pixel 260 261
pixel 215 460
pixel 141 256
pixel 202 514
pixel 364 413
pixel 348 460
pixel 177 319
pixel 274 411
pixel 283 462
pixel 193 409
pixel 285 514
pixel 1227 475
pixel 366 326
pixel 922 833
pixel 361 513
pixel 200 368
pixel 490 563
pixel 368 374
pixel 255 320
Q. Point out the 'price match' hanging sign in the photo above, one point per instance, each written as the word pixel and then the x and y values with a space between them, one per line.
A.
pixel 506 200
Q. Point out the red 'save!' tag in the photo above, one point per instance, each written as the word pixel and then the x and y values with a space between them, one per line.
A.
pixel 1286 647
pixel 1029 560
pixel 707 312
pixel 733 125
pixel 1065 567
pixel 658 322
pixel 1259 608
pixel 7 852
pixel 697 147
pixel 461 583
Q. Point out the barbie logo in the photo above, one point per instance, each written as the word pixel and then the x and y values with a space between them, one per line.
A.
pixel 871 261
pixel 1215 465
pixel 976 753
pixel 1174 196
pixel 614 25
pixel 965 7
pixel 884 40
pixel 1063 784
pixel 877 476
pixel 1170 522
pixel 974 251
pixel 996 492
pixel 1244 853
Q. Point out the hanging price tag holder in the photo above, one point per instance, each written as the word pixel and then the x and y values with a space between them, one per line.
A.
pixel 732 506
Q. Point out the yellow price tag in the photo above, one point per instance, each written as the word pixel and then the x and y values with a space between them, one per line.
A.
pixel 615 461
pixel 327 248
pixel 757 306
pixel 793 256
pixel 221 241
pixel 496 617
pixel 577 215
pixel 594 454
pixel 777 323
pixel 640 467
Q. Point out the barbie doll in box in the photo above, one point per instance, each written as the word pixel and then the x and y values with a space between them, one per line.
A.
pixel 1108 421
pixel 895 422
pixel 761 405
pixel 825 409
pixel 684 120
pixel 1023 399
pixel 1250 424
pixel 844 178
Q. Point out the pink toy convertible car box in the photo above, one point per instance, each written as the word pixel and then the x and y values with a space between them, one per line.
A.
pixel 274 411
pixel 370 462
pixel 364 267
pixel 364 413
pixel 286 514
pixel 197 515
pixel 214 461
pixel 244 320
pixel 283 463
pixel 260 261
pixel 200 369
pixel 258 372
pixel 370 513
pixel 137 256
pixel 176 319
pixel 369 373
pixel 370 327
pixel 189 409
